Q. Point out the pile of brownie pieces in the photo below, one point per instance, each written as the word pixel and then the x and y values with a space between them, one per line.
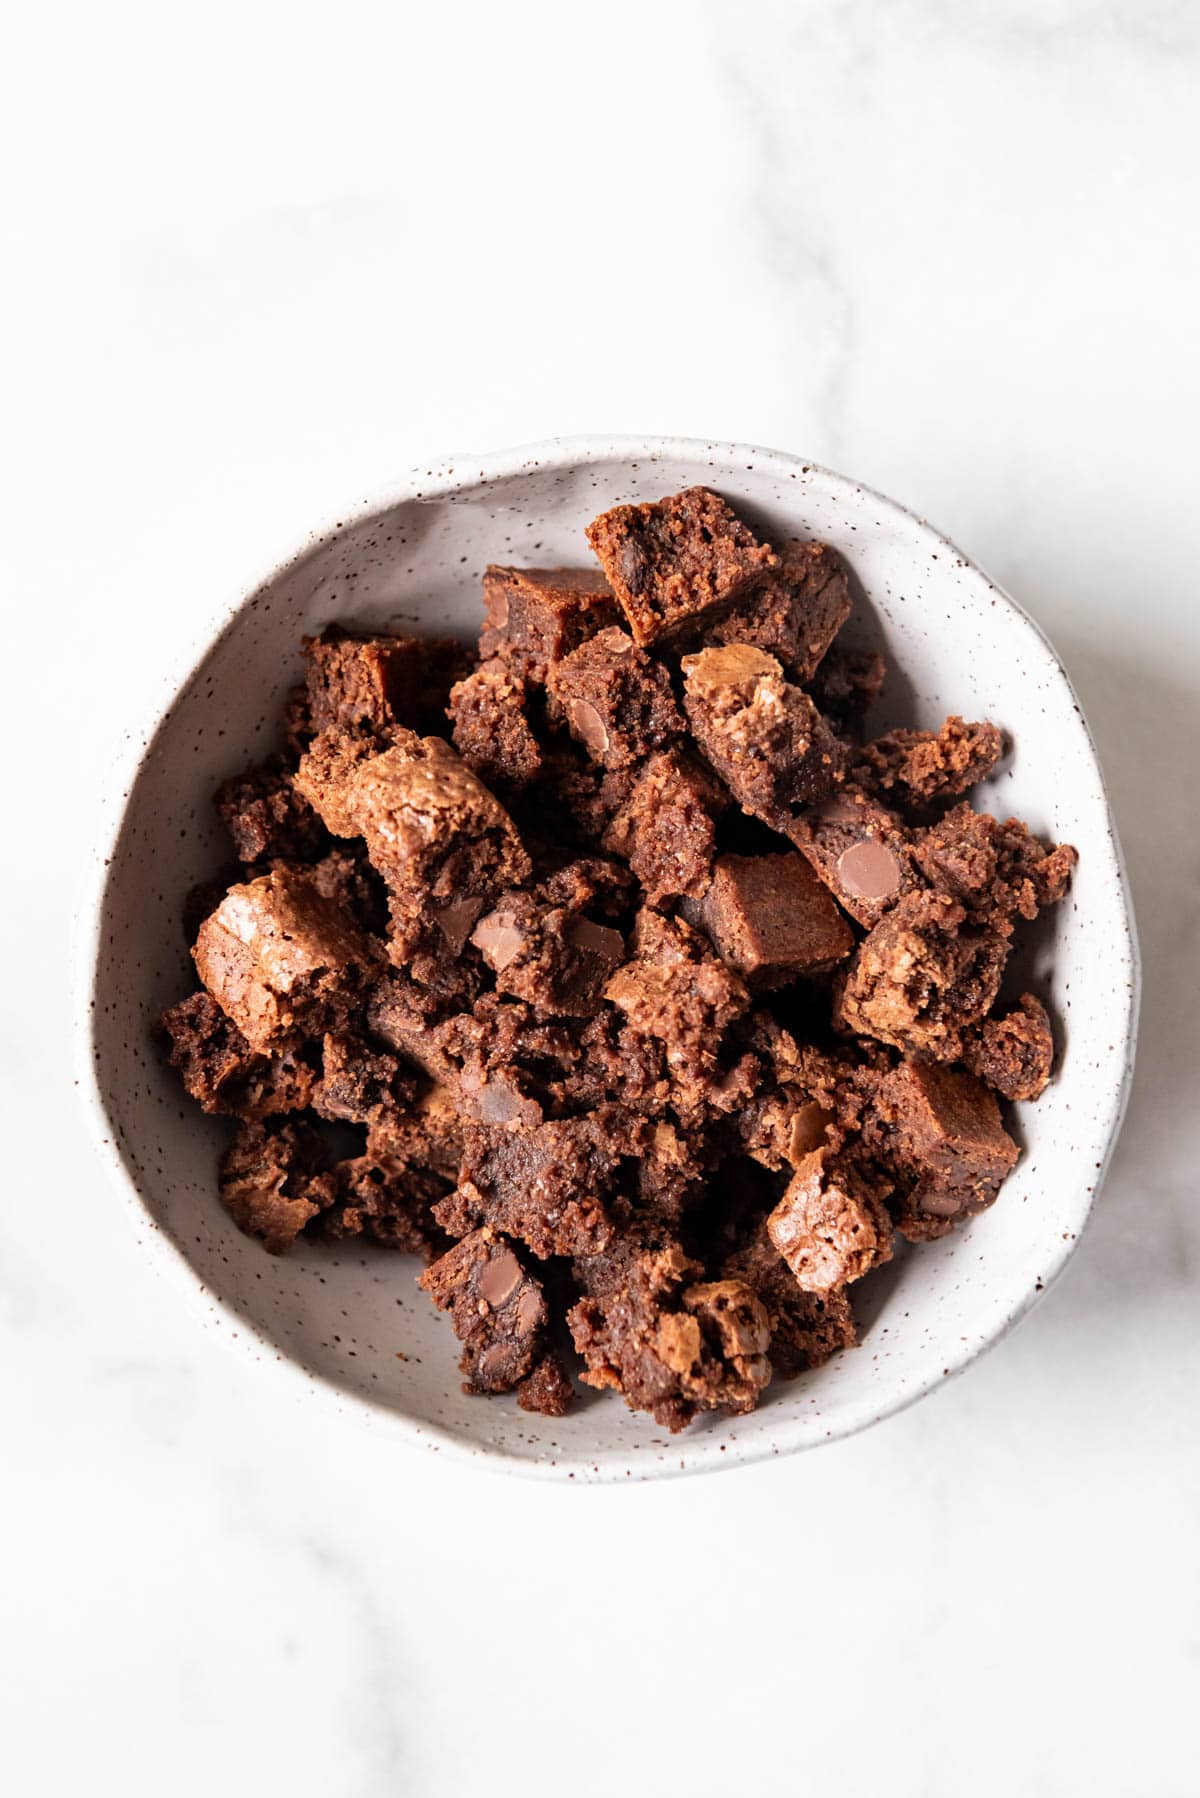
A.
pixel 649 1000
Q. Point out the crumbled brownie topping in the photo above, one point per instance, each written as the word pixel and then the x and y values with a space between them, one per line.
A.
pixel 1014 1052
pixel 913 767
pixel 515 1003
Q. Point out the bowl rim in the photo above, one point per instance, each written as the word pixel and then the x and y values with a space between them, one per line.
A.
pixel 440 479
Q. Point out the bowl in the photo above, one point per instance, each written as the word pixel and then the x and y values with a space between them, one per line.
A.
pixel 348 1326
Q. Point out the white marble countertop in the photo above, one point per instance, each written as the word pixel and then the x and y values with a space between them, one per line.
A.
pixel 270 255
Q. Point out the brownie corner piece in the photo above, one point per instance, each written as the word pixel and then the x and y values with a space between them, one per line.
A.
pixel 673 562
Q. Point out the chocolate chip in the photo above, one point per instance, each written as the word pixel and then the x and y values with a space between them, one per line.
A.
pixel 500 1279
pixel 497 939
pixel 869 870
pixel 497 607
pixel 634 566
pixel 595 939
pixel 455 921
pixel 587 724
pixel 529 1311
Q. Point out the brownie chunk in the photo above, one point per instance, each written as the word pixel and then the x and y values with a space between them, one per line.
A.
pixel 861 850
pixel 358 1080
pixel 806 1328
pixel 616 699
pixel 793 613
pixel 941 1130
pixel 912 767
pixel 432 829
pixel 380 681
pixel 267 818
pixel 769 917
pixel 846 686
pixel 1013 1053
pixel 346 878
pixel 536 616
pixel 997 871
pixel 680 994
pixel 666 829
pixel 266 1181
pixel 278 958
pixel 548 1388
pixel 223 1073
pixel 922 976
pixel 490 729
pixel 498 1311
pixel 385 1195
pixel 830 1226
pixel 554 959
pixel 764 736
pixel 670 1344
pixel 672 562
pixel 543 1186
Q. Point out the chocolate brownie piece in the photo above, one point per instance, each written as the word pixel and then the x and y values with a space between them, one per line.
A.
pixel 432 829
pixel 574 796
pixel 223 1073
pixel 358 1080
pixel 913 767
pixel 584 882
pixel 793 613
pixel 536 616
pixel 346 877
pixel 922 976
pixel 266 1181
pixel 769 917
pixel 1015 1052
pixel 386 1194
pixel 545 1185
pixel 666 829
pixel 861 850
pixel 670 1343
pixel 279 958
pixel 764 736
pixel 831 1225
pixel 498 1310
pixel 490 729
pixel 548 1388
pixel 379 682
pixel 617 700
pixel 672 562
pixel 554 959
pixel 267 818
pixel 806 1328
pixel 940 1128
pixel 846 686
pixel 677 992
pixel 997 871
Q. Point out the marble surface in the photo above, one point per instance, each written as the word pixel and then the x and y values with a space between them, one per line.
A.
pixel 268 256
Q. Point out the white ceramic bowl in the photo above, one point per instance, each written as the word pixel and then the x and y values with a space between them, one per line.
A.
pixel 350 1323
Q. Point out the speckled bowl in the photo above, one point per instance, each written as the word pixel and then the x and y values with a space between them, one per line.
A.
pixel 347 1325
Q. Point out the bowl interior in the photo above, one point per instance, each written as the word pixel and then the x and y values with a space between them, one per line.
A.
pixel 354 1318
